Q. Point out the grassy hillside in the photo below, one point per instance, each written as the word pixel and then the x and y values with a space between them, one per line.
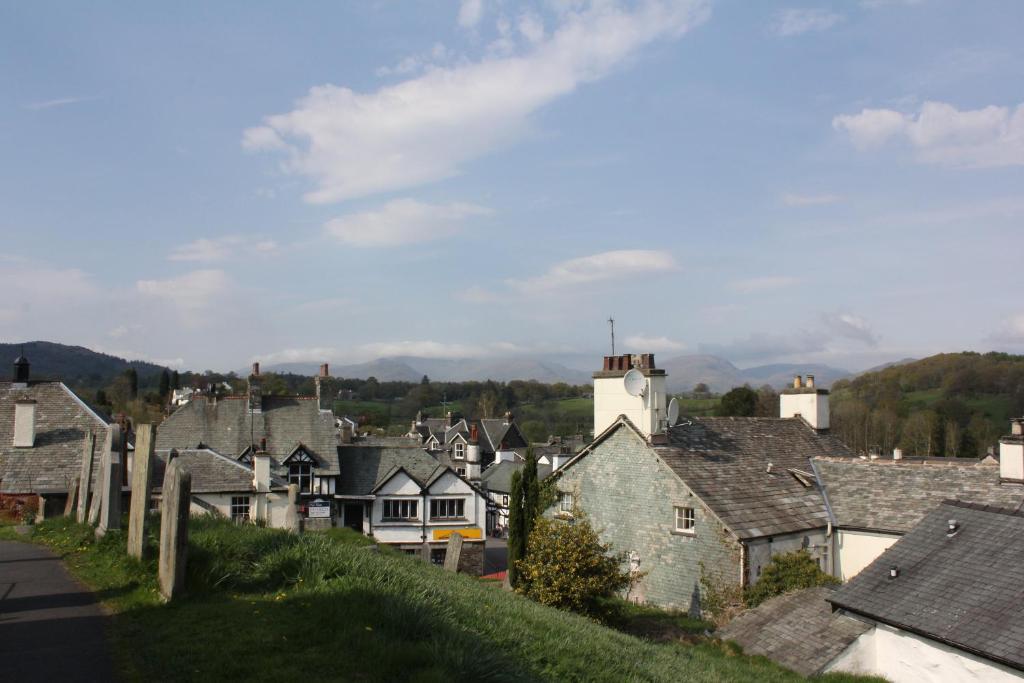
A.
pixel 265 605
pixel 954 404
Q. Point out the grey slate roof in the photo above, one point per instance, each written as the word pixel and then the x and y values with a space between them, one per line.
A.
pixel 61 423
pixel 363 468
pixel 723 460
pixel 894 495
pixel 211 472
pixel 966 590
pixel 493 432
pixel 498 477
pixel 224 425
pixel 797 630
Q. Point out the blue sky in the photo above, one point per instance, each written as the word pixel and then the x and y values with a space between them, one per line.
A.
pixel 209 184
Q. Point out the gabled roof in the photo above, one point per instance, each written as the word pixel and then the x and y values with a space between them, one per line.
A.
pixel 965 590
pixel 211 472
pixel 365 468
pixel 494 432
pixel 797 630
pixel 894 495
pixel 225 425
pixel 498 477
pixel 61 421
pixel 724 461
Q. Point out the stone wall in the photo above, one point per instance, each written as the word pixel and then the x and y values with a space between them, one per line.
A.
pixel 472 560
pixel 629 495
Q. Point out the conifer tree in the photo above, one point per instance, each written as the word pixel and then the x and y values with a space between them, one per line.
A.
pixel 165 384
pixel 516 537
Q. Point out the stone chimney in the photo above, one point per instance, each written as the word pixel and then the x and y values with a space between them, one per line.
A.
pixel 1011 453
pixel 346 432
pixel 473 455
pixel 508 417
pixel 648 411
pixel 255 390
pixel 261 471
pixel 318 380
pixel 449 419
pixel 21 371
pixel 806 401
pixel 24 423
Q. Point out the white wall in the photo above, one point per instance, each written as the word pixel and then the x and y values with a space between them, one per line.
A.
pixel 646 412
pixel 278 505
pixel 1011 461
pixel 760 552
pixel 401 487
pixel 855 550
pixel 903 657
pixel 809 405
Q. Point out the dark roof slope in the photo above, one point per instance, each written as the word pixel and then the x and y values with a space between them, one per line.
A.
pixel 224 425
pixel 55 460
pixel 965 590
pixel 211 472
pixel 798 630
pixel 894 495
pixel 498 477
pixel 724 461
pixel 497 431
pixel 363 468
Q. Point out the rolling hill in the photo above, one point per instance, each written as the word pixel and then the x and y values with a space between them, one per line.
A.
pixel 76 365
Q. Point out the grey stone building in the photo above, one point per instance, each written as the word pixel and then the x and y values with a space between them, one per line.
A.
pixel 714 495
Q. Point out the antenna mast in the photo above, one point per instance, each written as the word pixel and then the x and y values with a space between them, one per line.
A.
pixel 611 321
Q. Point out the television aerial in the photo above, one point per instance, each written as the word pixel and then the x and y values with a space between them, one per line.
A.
pixel 635 383
pixel 673 412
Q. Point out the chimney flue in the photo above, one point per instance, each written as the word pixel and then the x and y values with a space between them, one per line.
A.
pixel 810 381
pixel 798 382
pixel 255 369
pixel 324 371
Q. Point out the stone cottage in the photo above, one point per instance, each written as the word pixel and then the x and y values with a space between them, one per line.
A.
pixel 714 495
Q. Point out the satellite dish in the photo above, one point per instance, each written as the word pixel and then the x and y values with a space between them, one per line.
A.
pixel 634 382
pixel 673 412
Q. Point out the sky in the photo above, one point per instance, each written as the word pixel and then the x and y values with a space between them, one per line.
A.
pixel 208 184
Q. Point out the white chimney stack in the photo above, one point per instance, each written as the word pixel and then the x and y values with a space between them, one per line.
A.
pixel 805 401
pixel 897 454
pixel 473 464
pixel 646 409
pixel 24 423
pixel 1011 453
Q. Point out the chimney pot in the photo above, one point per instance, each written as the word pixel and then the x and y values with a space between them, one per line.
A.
pixel 894 571
pixel 798 382
pixel 897 454
pixel 810 381
pixel 324 371
pixel 256 369
pixel 1017 426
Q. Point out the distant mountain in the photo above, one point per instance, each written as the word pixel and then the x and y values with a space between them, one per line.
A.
pixel 74 365
pixel 684 372
pixel 412 369
pixel 892 364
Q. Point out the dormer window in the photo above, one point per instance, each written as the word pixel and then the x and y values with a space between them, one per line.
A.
pixel 300 469
pixel 459 452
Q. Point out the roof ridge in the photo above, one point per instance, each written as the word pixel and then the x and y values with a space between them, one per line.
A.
pixel 983 507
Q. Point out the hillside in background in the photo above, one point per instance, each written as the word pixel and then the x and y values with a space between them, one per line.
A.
pixel 685 372
pixel 76 366
pixel 951 404
pixel 412 369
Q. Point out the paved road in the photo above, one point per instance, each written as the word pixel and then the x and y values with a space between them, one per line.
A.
pixel 51 627
pixel 496 555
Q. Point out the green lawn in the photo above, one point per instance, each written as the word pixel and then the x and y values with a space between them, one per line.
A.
pixel 265 605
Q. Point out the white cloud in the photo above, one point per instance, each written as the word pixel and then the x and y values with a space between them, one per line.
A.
pixel 59 102
pixel 470 13
pixel 532 27
pixel 608 265
pixel 437 55
pixel 758 284
pixel 317 354
pixel 402 221
pixel 424 129
pixel 221 249
pixel 942 134
pixel 420 348
pixel 832 331
pixel 1011 331
pixel 192 295
pixel 849 326
pixel 644 344
pixel 810 199
pixel 797 21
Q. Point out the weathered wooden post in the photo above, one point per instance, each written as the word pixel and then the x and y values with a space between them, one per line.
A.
pixel 174 511
pixel 453 554
pixel 142 465
pixel 97 492
pixel 85 479
pixel 110 491
pixel 291 516
pixel 69 505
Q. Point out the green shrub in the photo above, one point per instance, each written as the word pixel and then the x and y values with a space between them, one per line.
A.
pixel 785 573
pixel 567 566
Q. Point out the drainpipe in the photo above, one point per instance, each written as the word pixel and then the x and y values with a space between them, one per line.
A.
pixel 743 565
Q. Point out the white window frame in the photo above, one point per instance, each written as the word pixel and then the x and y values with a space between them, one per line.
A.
pixel 240 509
pixel 447 508
pixel 301 473
pixel 459 451
pixel 399 509
pixel 566 502
pixel 685 519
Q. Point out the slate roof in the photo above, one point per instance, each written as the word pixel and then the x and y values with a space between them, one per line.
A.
pixel 363 468
pixel 498 477
pixel 55 459
pixel 493 432
pixel 211 472
pixel 223 425
pixel 894 495
pixel 797 630
pixel 723 460
pixel 965 590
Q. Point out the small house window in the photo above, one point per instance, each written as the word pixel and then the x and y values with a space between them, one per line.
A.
pixel 460 451
pixel 685 520
pixel 447 508
pixel 504 501
pixel 461 471
pixel 437 555
pixel 565 502
pixel 240 508
pixel 400 509
pixel 301 473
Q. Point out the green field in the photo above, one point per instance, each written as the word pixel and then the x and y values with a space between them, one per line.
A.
pixel 266 605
